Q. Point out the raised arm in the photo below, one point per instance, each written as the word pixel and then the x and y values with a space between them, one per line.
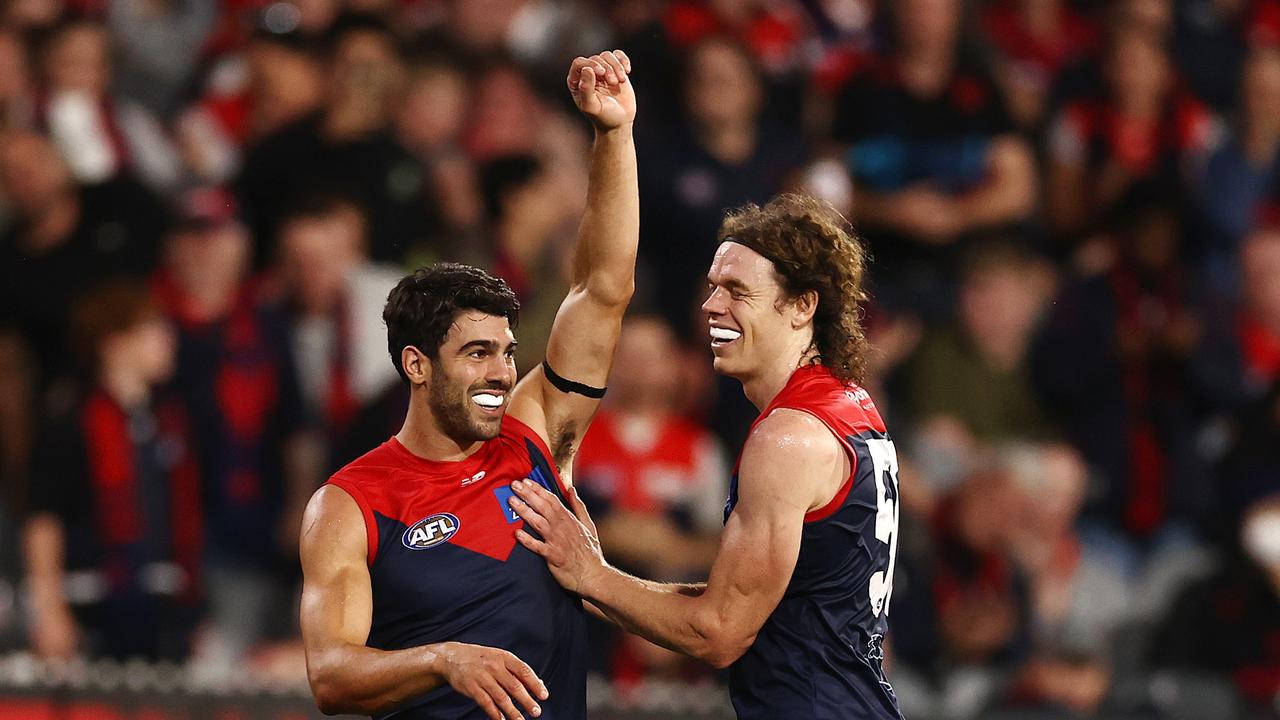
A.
pixel 586 328
pixel 337 606
pixel 791 464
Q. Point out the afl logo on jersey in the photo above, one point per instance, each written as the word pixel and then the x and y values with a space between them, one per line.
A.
pixel 430 531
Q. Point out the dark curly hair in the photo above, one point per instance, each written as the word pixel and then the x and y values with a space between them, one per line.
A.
pixel 422 306
pixel 812 247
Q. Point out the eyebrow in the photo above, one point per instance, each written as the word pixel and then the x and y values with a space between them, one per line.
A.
pixel 484 345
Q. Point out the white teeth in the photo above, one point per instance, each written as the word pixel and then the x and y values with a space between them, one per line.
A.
pixel 724 334
pixel 487 400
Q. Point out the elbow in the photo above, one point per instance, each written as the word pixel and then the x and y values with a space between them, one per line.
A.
pixel 328 702
pixel 330 697
pixel 721 644
pixel 720 653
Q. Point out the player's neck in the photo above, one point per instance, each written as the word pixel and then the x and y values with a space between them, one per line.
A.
pixel 422 436
pixel 762 387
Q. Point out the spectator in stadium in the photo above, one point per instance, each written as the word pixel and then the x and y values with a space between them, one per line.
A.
pixel 334 295
pixel 61 238
pixel 1140 135
pixel 1079 597
pixel 236 381
pixel 348 148
pixel 506 113
pixel 963 620
pixel 430 124
pixel 114 539
pixel 1126 330
pixel 1035 42
pixel 936 160
pixel 99 135
pixel 654 482
pixel 1238 185
pixel 528 216
pixel 274 81
pixel 1239 359
pixel 1002 292
pixel 157 47
pixel 773 32
pixel 1226 624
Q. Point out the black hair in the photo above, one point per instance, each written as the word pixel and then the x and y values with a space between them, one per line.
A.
pixel 422 306
pixel 503 174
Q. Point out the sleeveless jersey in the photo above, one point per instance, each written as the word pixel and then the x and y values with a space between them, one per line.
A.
pixel 445 566
pixel 818 656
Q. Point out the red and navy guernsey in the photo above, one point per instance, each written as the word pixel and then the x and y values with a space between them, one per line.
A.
pixel 445 566
pixel 819 655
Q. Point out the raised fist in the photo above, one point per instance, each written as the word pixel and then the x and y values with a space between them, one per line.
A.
pixel 601 89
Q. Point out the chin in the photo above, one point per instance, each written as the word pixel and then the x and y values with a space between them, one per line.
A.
pixel 723 366
pixel 487 428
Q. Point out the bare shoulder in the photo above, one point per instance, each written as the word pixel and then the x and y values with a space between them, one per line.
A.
pixel 791 460
pixel 789 437
pixel 332 527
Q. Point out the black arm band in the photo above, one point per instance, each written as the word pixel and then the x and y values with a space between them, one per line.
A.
pixel 569 386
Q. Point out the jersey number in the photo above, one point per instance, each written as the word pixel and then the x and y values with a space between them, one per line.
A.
pixel 884 460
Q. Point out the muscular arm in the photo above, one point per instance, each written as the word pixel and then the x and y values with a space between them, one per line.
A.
pixel 589 321
pixel 337 607
pixel 790 465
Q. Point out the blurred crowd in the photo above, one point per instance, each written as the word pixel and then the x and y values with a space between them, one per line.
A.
pixel 1073 210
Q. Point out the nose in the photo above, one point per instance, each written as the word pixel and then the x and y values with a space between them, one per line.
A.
pixel 715 303
pixel 500 372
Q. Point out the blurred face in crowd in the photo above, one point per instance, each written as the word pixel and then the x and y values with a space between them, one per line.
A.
pixel 210 260
pixel 645 374
pixel 317 255
pixel 1056 485
pixel 990 507
pixel 147 349
pixel 472 377
pixel 726 90
pixel 999 305
pixel 504 117
pixel 286 84
pixel 1138 72
pixel 1261 87
pixel 32 174
pixel 749 315
pixel 1260 276
pixel 928 26
pixel 79 60
pixel 434 109
pixel 483 24
pixel 366 68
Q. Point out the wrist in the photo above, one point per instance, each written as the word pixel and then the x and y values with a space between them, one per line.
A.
pixel 595 583
pixel 436 659
pixel 615 133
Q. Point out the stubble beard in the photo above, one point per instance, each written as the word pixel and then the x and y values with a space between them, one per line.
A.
pixel 450 405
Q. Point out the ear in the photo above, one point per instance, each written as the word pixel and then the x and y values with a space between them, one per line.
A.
pixel 416 365
pixel 805 305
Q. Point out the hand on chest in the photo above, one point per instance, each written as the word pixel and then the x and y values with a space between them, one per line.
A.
pixel 475 515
